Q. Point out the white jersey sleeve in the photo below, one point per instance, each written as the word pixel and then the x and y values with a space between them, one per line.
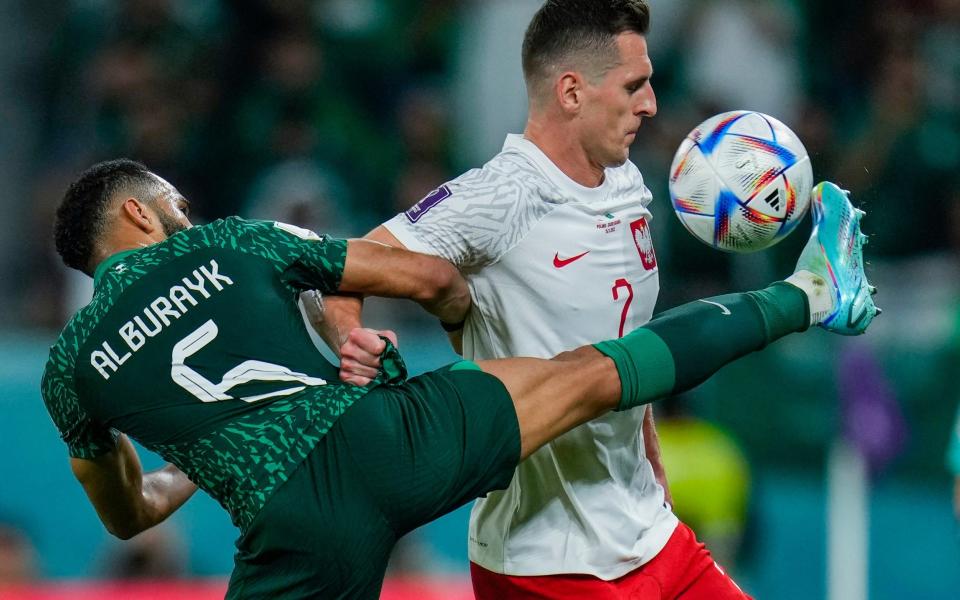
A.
pixel 474 219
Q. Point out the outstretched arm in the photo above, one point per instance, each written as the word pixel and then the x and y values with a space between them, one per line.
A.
pixel 375 269
pixel 335 316
pixel 384 236
pixel 128 500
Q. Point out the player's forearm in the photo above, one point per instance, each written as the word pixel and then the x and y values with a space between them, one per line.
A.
pixel 333 317
pixel 375 269
pixel 164 491
pixel 161 493
pixel 127 500
pixel 447 297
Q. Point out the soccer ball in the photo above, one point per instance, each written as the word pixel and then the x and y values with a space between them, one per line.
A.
pixel 741 181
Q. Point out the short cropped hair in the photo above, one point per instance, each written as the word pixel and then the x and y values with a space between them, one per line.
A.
pixel 82 216
pixel 578 33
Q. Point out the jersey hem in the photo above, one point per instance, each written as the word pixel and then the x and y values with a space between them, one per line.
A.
pixel 529 568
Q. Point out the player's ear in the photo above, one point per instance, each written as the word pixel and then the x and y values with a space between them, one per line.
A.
pixel 138 214
pixel 569 91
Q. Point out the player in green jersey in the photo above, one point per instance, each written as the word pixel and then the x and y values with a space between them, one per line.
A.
pixel 193 344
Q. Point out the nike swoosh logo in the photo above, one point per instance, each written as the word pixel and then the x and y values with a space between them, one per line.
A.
pixel 562 262
pixel 726 311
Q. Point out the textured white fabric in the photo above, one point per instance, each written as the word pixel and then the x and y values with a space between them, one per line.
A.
pixel 553 265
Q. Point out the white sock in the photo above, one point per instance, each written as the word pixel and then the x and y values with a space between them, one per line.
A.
pixel 819 294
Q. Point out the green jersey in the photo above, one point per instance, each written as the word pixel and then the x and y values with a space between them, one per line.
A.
pixel 196 348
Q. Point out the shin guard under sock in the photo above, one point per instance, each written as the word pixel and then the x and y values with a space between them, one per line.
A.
pixel 683 346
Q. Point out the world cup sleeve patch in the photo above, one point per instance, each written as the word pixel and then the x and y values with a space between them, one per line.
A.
pixel 642 239
pixel 432 199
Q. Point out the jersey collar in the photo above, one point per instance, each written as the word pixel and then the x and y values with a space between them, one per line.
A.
pixel 574 191
pixel 109 262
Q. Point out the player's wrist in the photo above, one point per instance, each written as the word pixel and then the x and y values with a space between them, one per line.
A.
pixel 452 327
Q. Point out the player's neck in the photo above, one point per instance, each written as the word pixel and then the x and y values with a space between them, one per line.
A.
pixel 122 241
pixel 563 150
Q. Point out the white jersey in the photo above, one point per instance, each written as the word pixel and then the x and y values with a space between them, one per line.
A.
pixel 553 265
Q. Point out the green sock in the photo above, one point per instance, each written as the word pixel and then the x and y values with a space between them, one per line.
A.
pixel 683 346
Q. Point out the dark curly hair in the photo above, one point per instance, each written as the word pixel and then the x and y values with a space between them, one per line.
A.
pixel 82 214
pixel 567 31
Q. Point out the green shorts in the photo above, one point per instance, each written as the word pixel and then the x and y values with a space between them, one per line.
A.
pixel 400 457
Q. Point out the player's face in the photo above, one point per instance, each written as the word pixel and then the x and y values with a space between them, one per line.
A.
pixel 614 107
pixel 172 209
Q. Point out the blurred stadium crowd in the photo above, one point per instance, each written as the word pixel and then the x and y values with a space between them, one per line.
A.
pixel 336 114
pixel 329 114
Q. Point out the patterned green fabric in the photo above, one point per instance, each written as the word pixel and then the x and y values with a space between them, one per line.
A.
pixel 195 347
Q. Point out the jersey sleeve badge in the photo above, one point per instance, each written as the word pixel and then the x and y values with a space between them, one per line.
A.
pixel 429 201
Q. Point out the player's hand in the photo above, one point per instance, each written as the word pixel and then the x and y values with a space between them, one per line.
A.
pixel 360 354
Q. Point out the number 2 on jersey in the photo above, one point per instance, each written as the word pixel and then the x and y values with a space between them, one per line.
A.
pixel 617 285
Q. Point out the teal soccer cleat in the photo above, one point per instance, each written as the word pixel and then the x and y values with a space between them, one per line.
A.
pixel 834 255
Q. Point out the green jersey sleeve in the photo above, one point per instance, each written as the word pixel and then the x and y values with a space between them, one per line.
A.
pixel 84 436
pixel 307 261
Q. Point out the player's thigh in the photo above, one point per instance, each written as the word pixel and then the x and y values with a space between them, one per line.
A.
pixel 553 396
pixel 321 534
pixel 434 443
pixel 713 584
pixel 685 570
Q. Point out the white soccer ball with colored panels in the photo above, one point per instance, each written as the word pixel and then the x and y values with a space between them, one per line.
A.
pixel 741 181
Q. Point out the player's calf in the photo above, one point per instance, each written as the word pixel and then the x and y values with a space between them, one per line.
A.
pixel 683 346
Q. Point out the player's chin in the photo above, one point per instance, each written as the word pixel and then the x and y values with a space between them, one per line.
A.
pixel 618 159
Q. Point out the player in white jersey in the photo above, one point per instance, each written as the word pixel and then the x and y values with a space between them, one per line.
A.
pixel 553 236
pixel 552 264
